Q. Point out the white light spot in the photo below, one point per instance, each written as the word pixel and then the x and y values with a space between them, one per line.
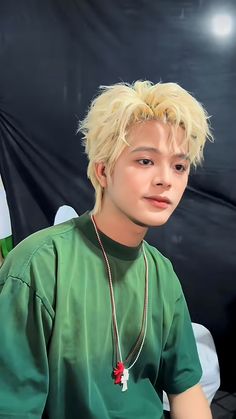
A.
pixel 222 24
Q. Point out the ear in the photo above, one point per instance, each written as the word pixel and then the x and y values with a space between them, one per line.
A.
pixel 100 171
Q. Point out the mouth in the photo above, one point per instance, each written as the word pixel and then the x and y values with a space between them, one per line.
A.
pixel 159 201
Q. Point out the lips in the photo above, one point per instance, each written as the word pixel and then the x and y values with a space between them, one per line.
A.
pixel 159 199
pixel 160 202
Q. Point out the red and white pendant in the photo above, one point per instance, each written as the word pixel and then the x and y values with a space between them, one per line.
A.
pixel 121 375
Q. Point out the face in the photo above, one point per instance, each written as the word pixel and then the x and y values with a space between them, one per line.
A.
pixel 149 177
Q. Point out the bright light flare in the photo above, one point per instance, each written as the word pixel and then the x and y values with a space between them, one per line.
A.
pixel 222 25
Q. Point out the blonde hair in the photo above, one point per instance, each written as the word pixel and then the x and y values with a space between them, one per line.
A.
pixel 111 114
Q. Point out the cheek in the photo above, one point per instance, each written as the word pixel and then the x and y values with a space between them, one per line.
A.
pixel 123 178
pixel 186 182
pixel 183 181
pixel 181 185
pixel 119 183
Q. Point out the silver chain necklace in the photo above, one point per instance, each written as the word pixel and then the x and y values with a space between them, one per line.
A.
pixel 120 372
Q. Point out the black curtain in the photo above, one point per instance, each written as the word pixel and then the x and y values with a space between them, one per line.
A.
pixel 53 57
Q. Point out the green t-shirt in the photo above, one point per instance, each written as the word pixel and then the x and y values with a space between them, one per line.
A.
pixel 57 349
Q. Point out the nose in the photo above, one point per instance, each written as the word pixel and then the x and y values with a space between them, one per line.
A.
pixel 163 178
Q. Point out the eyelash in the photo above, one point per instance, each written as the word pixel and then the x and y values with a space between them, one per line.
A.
pixel 151 163
pixel 141 161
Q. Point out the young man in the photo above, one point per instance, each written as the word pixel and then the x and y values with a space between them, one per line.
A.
pixel 94 321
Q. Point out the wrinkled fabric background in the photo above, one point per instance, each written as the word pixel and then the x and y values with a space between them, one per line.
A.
pixel 53 57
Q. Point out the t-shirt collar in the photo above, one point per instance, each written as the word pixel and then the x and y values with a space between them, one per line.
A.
pixel 112 247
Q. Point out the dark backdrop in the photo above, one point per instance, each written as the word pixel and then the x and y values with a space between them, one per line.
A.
pixel 53 56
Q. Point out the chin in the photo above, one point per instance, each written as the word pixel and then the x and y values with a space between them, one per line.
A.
pixel 150 221
pixel 158 223
pixel 158 218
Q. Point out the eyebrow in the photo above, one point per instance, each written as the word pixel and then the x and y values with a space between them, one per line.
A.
pixel 155 150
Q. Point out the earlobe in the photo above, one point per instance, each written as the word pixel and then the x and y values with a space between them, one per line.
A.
pixel 100 170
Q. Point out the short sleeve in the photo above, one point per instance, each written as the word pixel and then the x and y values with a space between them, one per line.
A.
pixel 180 366
pixel 25 328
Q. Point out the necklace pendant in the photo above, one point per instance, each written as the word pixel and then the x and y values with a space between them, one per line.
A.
pixel 124 379
pixel 118 372
pixel 121 375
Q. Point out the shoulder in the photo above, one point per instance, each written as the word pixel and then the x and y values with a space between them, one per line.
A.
pixel 41 246
pixel 158 257
pixel 162 266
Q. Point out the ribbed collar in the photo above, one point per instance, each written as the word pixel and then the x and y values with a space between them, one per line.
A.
pixel 113 248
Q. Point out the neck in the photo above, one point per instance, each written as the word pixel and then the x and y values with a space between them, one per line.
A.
pixel 120 228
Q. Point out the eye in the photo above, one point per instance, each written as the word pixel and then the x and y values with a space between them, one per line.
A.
pixel 145 162
pixel 180 168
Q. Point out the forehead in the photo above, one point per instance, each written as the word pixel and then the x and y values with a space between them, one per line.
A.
pixel 157 134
